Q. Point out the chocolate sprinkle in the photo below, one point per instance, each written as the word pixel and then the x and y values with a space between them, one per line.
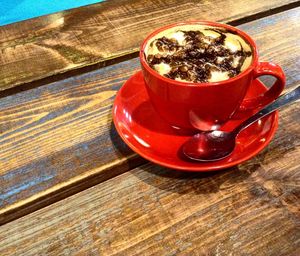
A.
pixel 190 62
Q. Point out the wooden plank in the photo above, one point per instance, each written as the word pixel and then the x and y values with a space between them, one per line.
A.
pixel 55 139
pixel 53 44
pixel 252 209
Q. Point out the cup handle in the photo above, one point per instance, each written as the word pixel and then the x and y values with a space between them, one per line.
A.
pixel 265 68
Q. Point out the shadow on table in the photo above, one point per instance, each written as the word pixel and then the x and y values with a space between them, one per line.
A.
pixel 118 144
pixel 190 182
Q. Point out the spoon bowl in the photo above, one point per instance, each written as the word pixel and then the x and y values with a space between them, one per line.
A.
pixel 209 146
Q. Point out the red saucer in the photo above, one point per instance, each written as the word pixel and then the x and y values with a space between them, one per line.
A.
pixel 152 138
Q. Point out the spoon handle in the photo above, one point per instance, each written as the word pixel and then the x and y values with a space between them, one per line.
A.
pixel 280 102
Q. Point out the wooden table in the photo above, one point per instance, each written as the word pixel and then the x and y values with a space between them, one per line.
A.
pixel 70 186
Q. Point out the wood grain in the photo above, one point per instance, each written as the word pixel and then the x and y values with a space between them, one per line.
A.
pixel 55 137
pixel 95 34
pixel 252 209
pixel 58 139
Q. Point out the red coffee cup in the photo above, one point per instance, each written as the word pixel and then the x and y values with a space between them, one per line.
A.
pixel 206 106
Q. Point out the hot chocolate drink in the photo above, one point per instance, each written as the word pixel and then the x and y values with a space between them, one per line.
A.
pixel 198 53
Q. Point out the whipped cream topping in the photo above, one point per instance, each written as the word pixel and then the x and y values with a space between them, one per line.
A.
pixel 198 53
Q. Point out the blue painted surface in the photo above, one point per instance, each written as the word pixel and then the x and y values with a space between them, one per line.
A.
pixel 9 195
pixel 18 10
